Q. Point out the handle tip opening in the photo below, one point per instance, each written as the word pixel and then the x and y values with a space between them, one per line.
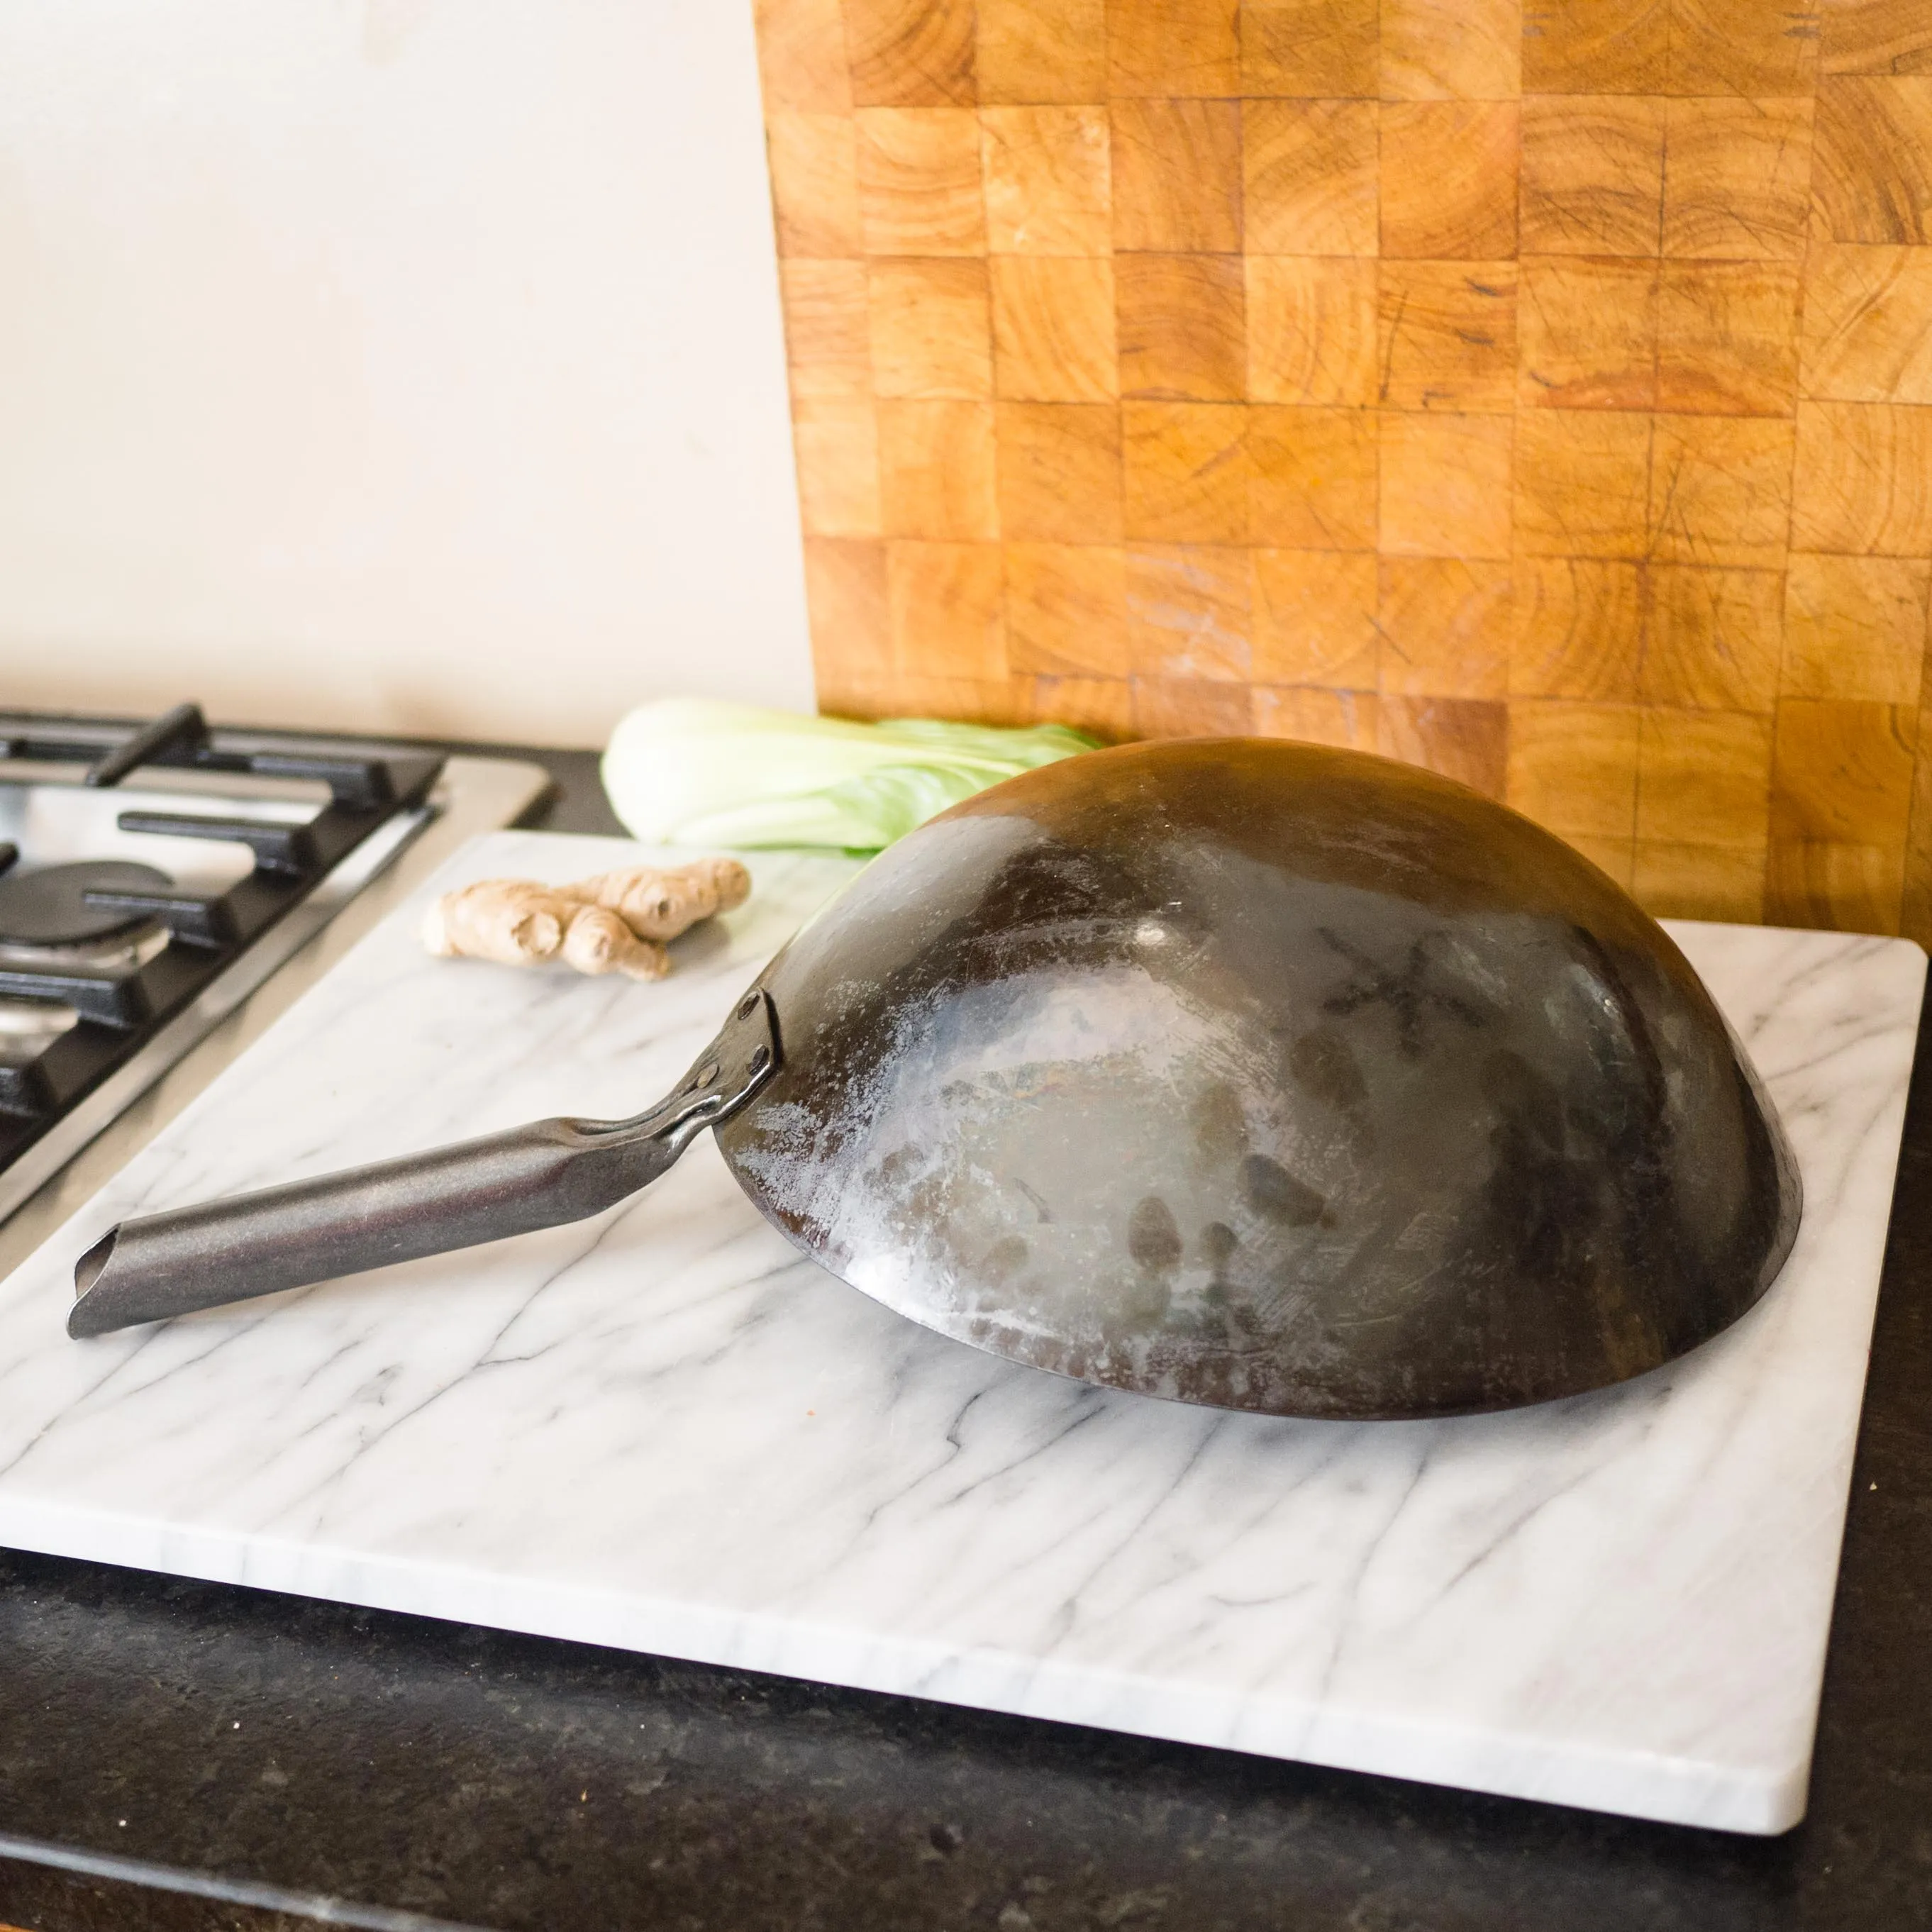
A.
pixel 92 1314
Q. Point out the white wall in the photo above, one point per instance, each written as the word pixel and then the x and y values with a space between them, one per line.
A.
pixel 404 364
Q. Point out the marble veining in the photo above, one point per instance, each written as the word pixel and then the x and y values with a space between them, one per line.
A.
pixel 664 1430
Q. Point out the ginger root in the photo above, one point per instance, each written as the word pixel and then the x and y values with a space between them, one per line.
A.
pixel 658 905
pixel 517 922
pixel 614 922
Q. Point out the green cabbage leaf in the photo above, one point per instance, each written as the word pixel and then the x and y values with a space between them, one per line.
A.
pixel 691 771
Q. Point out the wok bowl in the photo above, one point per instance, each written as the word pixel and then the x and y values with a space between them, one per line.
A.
pixel 1271 1077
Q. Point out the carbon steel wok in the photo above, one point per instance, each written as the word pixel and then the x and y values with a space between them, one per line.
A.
pixel 1235 1072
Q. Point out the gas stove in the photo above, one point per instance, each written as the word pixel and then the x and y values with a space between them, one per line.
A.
pixel 164 884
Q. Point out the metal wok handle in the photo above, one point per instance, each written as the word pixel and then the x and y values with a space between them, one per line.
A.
pixel 537 1176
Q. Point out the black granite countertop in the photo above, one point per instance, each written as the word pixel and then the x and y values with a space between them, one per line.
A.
pixel 202 1756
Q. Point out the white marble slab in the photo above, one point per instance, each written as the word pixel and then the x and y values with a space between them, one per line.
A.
pixel 663 1430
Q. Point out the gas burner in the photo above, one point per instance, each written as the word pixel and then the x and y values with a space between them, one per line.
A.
pixel 50 907
pixel 110 968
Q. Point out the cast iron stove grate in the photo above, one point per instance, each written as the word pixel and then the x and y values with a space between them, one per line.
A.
pixel 103 952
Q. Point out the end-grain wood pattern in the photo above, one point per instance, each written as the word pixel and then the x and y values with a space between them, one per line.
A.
pixel 1538 390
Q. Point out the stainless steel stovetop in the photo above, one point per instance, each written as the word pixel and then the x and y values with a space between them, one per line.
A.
pixel 166 891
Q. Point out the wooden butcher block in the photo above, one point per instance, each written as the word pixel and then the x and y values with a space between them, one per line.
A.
pixel 1541 392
